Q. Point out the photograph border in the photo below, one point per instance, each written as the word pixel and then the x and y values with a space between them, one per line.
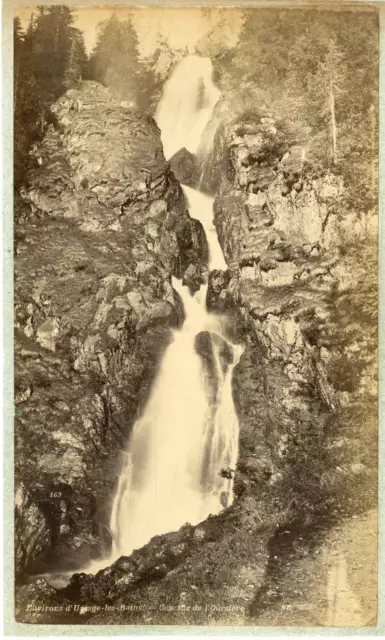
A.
pixel 12 628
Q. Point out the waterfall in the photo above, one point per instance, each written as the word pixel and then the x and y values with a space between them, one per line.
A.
pixel 189 97
pixel 183 450
pixel 201 207
pixel 182 443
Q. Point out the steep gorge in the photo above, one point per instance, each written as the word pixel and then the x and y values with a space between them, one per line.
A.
pixel 108 217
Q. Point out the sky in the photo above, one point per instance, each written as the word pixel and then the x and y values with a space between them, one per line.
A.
pixel 183 26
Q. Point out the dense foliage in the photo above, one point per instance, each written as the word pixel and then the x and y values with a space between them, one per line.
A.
pixel 48 59
pixel 319 69
pixel 117 63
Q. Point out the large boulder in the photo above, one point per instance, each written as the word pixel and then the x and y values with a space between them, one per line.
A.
pixel 216 354
pixel 185 167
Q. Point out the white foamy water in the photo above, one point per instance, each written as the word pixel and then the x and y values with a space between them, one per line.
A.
pixel 179 463
pixel 178 442
pixel 201 207
pixel 189 97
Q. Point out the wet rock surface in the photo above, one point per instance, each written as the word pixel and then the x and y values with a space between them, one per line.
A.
pixel 185 167
pixel 214 367
pixel 100 230
pixel 307 444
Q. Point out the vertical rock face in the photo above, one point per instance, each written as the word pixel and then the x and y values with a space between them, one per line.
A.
pixel 101 227
pixel 278 225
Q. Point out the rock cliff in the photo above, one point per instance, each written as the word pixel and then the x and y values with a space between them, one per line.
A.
pixel 290 246
pixel 101 227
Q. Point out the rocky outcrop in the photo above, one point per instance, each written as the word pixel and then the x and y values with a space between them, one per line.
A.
pixel 101 227
pixel 192 576
pixel 216 357
pixel 281 224
pixel 185 167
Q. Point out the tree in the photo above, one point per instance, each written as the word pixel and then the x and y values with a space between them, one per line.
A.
pixel 18 42
pixel 26 105
pixel 115 58
pixel 319 69
pixel 327 84
pixel 108 46
pixel 49 58
pixel 76 62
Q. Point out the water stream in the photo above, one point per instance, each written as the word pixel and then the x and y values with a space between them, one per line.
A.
pixel 189 97
pixel 179 463
pixel 182 443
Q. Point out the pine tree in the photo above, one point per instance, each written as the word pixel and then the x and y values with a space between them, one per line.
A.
pixel 49 58
pixel 328 84
pixel 107 48
pixel 26 104
pixel 115 58
pixel 18 44
pixel 76 62
pixel 127 65
pixel 320 69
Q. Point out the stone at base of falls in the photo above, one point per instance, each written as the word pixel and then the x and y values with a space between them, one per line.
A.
pixel 100 228
pixel 185 167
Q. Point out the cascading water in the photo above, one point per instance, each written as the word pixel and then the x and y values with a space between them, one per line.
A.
pixel 181 444
pixel 189 97
pixel 183 450
pixel 201 208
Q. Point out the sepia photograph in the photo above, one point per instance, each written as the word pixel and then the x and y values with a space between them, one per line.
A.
pixel 196 310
